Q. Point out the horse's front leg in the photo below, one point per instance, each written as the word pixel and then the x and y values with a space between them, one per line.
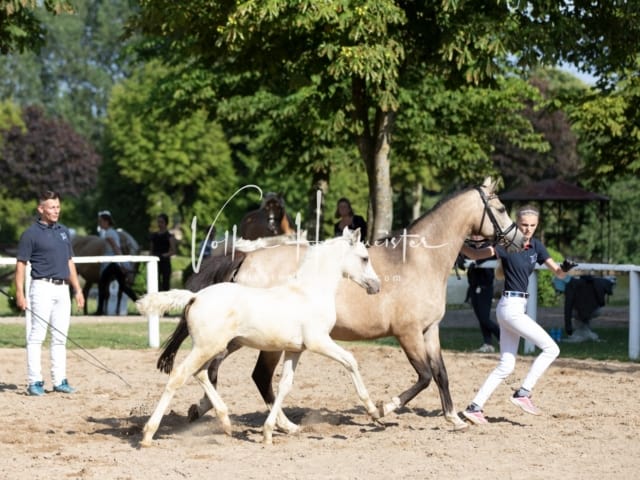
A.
pixel 331 349
pixel 413 345
pixel 284 387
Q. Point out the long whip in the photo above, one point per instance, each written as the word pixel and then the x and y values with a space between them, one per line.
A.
pixel 93 360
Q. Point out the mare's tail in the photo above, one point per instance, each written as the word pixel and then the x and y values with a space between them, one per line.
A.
pixel 160 302
pixel 172 345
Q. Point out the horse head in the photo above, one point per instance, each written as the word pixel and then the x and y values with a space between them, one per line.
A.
pixel 273 205
pixel 357 265
pixel 269 220
pixel 499 225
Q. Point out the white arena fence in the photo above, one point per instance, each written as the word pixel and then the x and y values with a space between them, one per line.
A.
pixel 590 268
pixel 152 284
pixel 532 305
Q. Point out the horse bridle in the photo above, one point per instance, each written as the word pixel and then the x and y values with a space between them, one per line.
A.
pixel 500 235
pixel 272 227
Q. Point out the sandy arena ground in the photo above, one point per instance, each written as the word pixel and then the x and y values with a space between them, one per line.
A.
pixel 590 428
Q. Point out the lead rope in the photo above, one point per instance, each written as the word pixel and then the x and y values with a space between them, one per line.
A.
pixel 93 361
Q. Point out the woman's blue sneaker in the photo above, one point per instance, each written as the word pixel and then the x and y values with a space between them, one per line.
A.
pixel 36 389
pixel 64 387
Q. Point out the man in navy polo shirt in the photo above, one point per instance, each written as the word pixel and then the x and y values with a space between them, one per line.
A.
pixel 47 246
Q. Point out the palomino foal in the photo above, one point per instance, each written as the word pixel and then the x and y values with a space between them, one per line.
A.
pixel 254 317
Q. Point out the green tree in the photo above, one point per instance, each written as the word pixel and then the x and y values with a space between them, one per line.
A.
pixel 355 56
pixel 72 72
pixel 184 167
pixel 20 26
pixel 609 129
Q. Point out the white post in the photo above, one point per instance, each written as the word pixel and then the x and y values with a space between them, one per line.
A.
pixel 152 287
pixel 532 307
pixel 634 314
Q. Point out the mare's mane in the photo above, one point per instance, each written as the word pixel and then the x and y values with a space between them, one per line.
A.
pixel 395 234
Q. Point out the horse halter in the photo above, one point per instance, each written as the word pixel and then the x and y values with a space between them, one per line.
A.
pixel 500 235
pixel 272 226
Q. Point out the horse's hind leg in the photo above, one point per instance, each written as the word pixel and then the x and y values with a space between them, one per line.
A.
pixel 284 387
pixel 193 362
pixel 436 362
pixel 85 292
pixel 424 354
pixel 414 348
pixel 222 411
pixel 263 378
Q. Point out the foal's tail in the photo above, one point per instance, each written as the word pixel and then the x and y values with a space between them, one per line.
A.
pixel 172 345
pixel 160 302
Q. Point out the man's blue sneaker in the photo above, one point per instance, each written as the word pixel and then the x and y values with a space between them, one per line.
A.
pixel 64 387
pixel 36 389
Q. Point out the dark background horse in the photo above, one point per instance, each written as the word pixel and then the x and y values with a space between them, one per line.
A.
pixel 270 220
pixel 92 245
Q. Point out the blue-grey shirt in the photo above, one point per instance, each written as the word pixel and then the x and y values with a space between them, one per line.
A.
pixel 518 266
pixel 48 248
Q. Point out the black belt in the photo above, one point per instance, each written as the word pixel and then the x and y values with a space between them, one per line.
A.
pixel 55 281
pixel 509 293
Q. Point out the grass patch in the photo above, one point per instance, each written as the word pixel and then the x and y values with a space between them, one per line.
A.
pixel 614 344
pixel 134 335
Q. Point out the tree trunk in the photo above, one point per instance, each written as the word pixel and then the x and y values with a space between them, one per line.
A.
pixel 416 206
pixel 380 193
pixel 374 145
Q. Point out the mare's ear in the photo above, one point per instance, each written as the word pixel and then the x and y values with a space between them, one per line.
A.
pixel 354 235
pixel 490 184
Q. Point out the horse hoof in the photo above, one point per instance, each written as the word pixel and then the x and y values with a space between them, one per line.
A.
pixel 387 408
pixel 289 428
pixel 379 423
pixel 145 443
pixel 458 424
pixel 194 414
pixel 459 427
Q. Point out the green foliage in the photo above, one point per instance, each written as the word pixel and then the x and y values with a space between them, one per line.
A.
pixel 183 166
pixel 32 162
pixel 20 26
pixel 547 296
pixel 609 127
pixel 80 57
pixel 625 230
pixel 16 215
pixel 449 135
pixel 11 117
